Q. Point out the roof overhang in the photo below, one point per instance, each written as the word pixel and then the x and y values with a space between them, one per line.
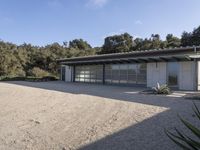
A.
pixel 166 55
pixel 133 60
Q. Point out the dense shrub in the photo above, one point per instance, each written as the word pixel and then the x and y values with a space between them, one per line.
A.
pixel 42 79
pixel 49 78
pixel 20 73
pixel 30 79
pixel 38 73
pixel 6 78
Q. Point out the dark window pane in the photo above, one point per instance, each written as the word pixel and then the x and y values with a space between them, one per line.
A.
pixel 141 79
pixel 115 81
pixel 172 69
pixel 132 69
pixel 131 78
pixel 123 78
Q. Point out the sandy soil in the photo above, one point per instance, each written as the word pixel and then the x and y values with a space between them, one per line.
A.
pixel 62 116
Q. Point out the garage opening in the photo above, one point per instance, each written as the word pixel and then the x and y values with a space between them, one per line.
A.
pixel 131 74
pixel 89 73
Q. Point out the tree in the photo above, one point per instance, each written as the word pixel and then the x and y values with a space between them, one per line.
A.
pixel 196 36
pixel 172 41
pixel 9 64
pixel 154 42
pixel 191 38
pixel 79 44
pixel 186 39
pixel 137 44
pixel 19 60
pixel 117 43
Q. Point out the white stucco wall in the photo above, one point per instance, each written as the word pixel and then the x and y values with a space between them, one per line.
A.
pixel 68 73
pixel 156 73
pixel 187 75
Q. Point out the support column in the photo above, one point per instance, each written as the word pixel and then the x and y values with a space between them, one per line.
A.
pixel 73 73
pixel 196 75
pixel 103 73
pixel 61 72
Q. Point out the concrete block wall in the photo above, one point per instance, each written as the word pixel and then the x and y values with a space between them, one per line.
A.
pixel 156 73
pixel 68 73
pixel 187 75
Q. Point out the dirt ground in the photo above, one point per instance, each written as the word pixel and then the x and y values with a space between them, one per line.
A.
pixel 68 116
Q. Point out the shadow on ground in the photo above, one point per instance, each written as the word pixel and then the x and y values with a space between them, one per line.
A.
pixel 145 135
pixel 122 93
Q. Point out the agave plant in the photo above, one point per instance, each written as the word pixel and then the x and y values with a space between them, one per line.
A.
pixel 183 140
pixel 161 89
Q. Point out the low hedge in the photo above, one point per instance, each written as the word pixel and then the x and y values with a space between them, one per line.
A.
pixel 30 79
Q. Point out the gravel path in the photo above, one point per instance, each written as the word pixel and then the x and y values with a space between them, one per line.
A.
pixel 68 116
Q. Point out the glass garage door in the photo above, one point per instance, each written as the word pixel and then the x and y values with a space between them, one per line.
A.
pixel 125 74
pixel 89 73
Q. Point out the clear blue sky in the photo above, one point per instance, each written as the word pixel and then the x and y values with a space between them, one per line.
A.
pixel 42 22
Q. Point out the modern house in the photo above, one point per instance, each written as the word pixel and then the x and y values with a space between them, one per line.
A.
pixel 177 67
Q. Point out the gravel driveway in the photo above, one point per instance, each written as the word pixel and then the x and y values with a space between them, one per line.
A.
pixel 62 116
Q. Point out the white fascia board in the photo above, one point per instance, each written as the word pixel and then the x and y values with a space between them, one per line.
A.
pixel 194 56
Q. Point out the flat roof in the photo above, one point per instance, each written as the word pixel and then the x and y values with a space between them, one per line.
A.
pixel 173 54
